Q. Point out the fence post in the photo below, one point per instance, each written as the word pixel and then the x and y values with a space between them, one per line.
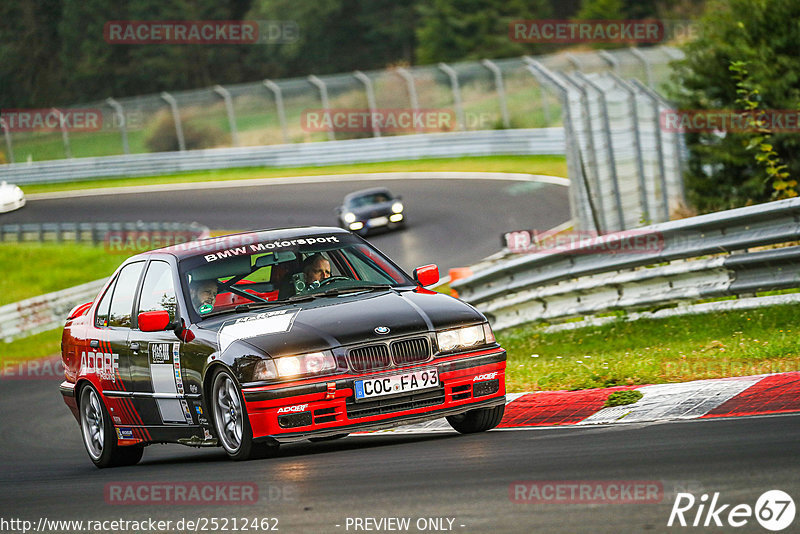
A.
pixel 412 91
pixel 573 59
pixel 323 95
pixel 123 130
pixel 610 59
pixel 278 94
pixel 64 134
pixel 637 146
pixel 658 101
pixel 451 73
pixel 226 96
pixel 581 200
pixel 176 117
pixel 591 156
pixel 7 135
pixel 648 71
pixel 363 78
pixel 609 148
pixel 501 90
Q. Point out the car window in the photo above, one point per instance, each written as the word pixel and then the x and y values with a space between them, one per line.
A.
pixel 158 290
pixel 101 317
pixel 124 291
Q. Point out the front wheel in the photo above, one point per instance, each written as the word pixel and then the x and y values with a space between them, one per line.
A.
pixel 231 422
pixel 99 435
pixel 478 420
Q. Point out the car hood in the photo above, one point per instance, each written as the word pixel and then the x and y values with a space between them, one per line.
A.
pixel 329 322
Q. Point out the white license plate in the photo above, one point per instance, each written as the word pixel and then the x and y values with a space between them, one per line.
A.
pixel 394 384
pixel 378 221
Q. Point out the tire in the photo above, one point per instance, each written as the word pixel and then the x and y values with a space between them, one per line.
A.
pixel 99 436
pixel 479 420
pixel 231 423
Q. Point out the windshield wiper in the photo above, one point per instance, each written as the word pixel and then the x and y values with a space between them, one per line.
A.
pixel 335 292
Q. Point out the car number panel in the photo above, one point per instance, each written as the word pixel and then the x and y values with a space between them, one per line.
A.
pixel 396 384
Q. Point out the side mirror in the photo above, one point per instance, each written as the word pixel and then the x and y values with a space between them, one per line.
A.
pixel 426 275
pixel 154 321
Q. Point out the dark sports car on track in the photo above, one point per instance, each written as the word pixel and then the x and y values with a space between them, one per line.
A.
pixel 371 209
pixel 250 340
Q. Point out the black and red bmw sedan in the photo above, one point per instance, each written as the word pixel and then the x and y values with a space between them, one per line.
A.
pixel 250 340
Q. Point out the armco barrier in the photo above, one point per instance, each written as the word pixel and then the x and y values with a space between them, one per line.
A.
pixel 697 258
pixel 45 312
pixel 165 233
pixel 520 142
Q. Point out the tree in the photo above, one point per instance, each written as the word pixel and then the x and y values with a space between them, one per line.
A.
pixel 763 34
pixel 453 30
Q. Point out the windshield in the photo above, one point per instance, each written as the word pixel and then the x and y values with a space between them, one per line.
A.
pixel 285 271
pixel 366 200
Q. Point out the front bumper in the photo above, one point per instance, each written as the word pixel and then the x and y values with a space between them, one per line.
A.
pixel 327 407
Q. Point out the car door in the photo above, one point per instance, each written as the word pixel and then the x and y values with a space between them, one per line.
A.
pixel 155 357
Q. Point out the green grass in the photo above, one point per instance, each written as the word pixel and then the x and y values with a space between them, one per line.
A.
pixel 31 269
pixel 549 165
pixel 651 351
pixel 27 348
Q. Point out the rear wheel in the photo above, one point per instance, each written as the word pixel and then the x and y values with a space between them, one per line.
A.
pixel 99 435
pixel 478 420
pixel 231 422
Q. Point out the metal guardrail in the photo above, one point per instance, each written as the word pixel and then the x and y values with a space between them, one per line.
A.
pixel 155 234
pixel 535 141
pixel 45 312
pixel 696 258
pixel 38 314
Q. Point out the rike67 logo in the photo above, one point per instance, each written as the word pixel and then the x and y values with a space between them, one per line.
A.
pixel 774 510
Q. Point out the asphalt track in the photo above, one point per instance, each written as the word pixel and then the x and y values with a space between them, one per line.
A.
pixel 313 487
pixel 453 223
pixel 316 487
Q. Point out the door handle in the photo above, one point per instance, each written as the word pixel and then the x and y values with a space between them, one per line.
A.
pixel 94 343
pixel 134 346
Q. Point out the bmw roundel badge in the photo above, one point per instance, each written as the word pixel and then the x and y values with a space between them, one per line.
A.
pixel 382 330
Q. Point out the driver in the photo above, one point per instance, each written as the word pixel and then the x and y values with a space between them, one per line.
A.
pixel 315 269
pixel 203 293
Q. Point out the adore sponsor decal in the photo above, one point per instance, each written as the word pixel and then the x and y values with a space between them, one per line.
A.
pixel 774 510
pixel 103 364
pixel 293 409
pixel 486 376
pixel 586 491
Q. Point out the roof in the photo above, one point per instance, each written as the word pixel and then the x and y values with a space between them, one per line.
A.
pixel 194 248
pixel 370 191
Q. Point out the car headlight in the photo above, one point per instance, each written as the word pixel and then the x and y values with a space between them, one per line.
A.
pixel 265 370
pixel 397 207
pixel 464 338
pixel 349 217
pixel 305 364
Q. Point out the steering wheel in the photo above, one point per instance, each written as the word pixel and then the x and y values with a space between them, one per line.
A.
pixel 330 279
